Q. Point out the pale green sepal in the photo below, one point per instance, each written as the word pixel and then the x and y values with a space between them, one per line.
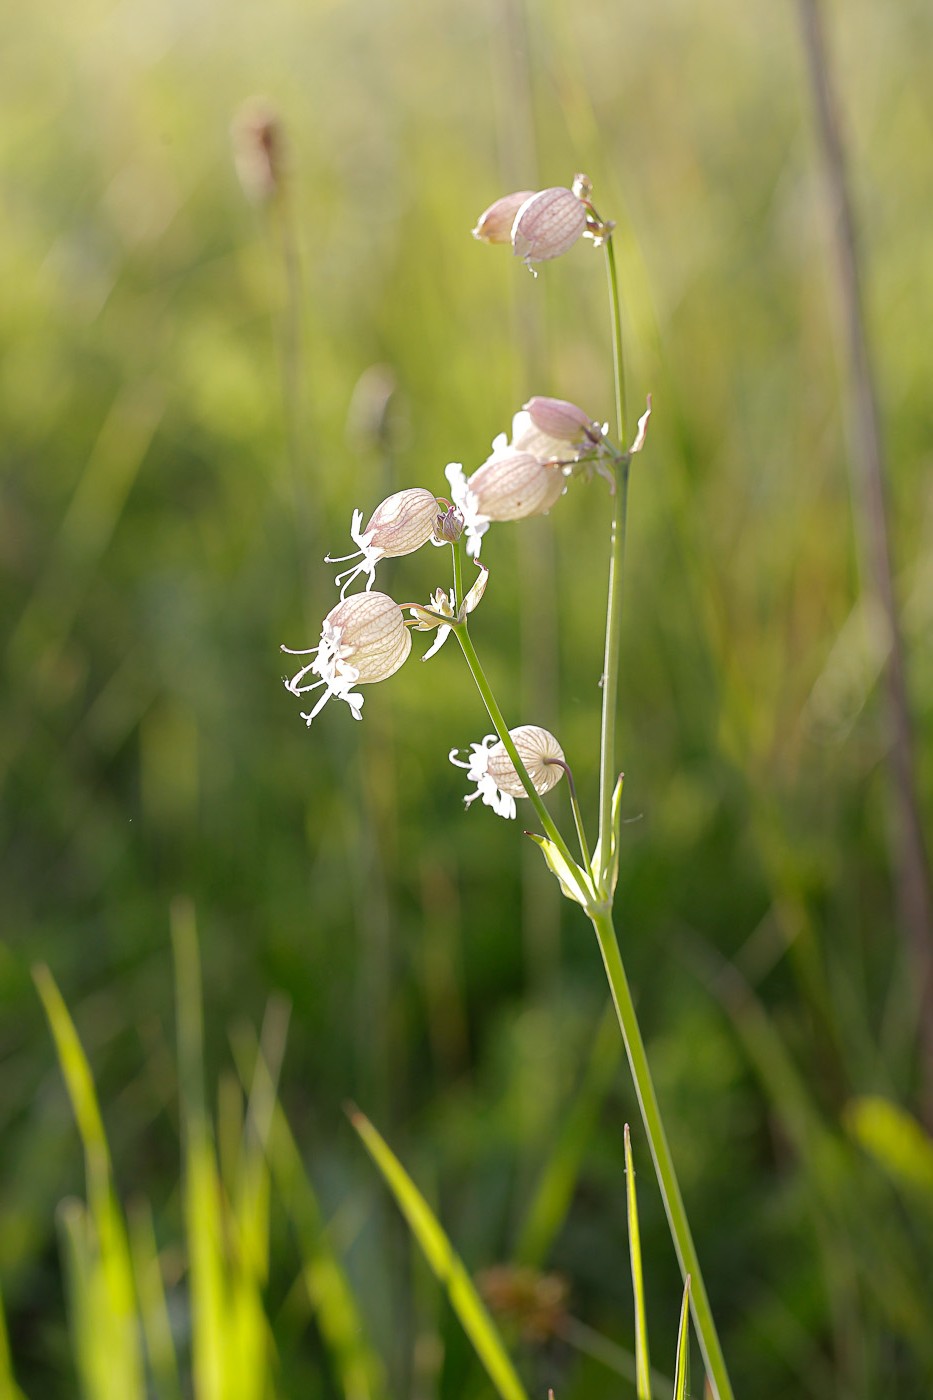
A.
pixel 570 876
pixel 682 1364
pixel 615 816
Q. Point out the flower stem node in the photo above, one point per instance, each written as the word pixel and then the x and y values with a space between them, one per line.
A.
pixel 496 777
pixel 363 639
pixel 442 606
pixel 399 525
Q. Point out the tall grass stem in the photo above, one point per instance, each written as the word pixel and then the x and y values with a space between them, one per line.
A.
pixel 661 1154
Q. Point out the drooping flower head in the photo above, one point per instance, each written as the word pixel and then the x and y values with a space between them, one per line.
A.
pixel 363 639
pixel 508 486
pixel 496 778
pixel 547 225
pixel 399 525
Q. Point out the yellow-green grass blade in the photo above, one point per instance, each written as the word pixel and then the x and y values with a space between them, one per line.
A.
pixel 100 1249
pixel 153 1308
pixel 202 1186
pixel 642 1362
pixel 554 1192
pixel 9 1390
pixel 358 1368
pixel 682 1363
pixel 445 1263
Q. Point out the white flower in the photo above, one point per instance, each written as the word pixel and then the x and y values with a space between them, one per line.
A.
pixel 363 639
pixel 475 523
pixel 477 766
pixel 496 778
pixel 400 524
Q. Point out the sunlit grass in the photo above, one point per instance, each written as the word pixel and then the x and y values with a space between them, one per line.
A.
pixel 152 564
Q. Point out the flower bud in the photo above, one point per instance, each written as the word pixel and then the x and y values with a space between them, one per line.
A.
pixel 449 525
pixel 363 639
pixel 547 225
pixel 557 418
pixel 258 149
pixel 494 225
pixel 513 485
pixel 541 754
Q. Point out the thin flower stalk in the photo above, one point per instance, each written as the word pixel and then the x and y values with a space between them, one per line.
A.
pixel 661 1154
pixel 501 728
pixel 600 914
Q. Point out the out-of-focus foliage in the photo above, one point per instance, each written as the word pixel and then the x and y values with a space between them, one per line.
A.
pixel 164 505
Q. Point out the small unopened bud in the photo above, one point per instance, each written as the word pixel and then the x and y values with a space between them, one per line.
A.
pixel 258 149
pixel 514 485
pixel 448 527
pixel 494 225
pixel 560 419
pixel 541 754
pixel 547 225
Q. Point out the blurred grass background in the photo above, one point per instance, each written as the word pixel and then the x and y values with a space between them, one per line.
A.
pixel 161 529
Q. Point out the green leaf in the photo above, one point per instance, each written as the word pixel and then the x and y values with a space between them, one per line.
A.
pixel 569 875
pixel 357 1365
pixel 642 1363
pixel 444 1261
pixel 104 1317
pixel 682 1364
pixel 9 1390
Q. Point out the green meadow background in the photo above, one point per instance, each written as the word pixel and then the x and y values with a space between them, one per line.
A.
pixel 195 393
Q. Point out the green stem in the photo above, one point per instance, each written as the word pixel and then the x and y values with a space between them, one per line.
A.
pixel 610 682
pixel 618 362
pixel 458 576
pixel 661 1153
pixel 495 714
pixel 578 818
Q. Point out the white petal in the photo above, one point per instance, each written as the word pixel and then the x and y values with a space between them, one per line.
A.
pixel 442 634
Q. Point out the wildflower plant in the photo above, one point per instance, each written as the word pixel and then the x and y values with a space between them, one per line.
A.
pixel 366 637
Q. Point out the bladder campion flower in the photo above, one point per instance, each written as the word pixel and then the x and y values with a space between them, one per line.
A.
pixel 496 778
pixel 401 524
pixel 508 486
pixel 547 225
pixel 363 639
